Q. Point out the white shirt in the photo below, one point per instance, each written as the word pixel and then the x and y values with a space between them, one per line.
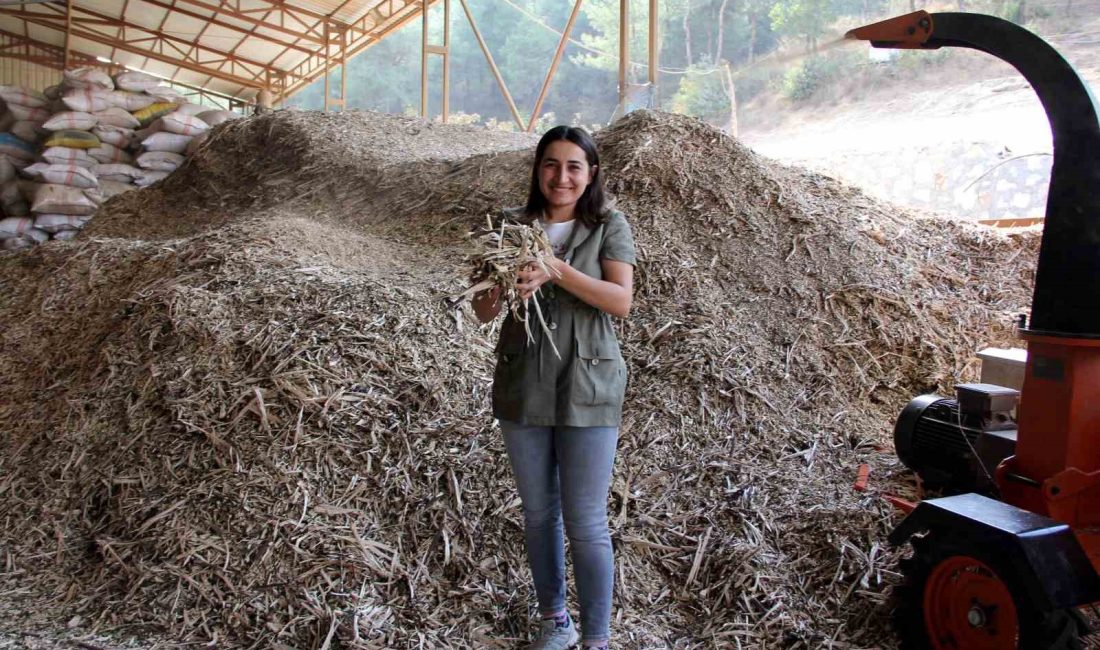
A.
pixel 558 234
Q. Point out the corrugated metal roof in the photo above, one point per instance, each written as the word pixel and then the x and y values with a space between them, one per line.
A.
pixel 231 47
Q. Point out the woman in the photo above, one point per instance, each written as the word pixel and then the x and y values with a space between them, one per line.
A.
pixel 560 416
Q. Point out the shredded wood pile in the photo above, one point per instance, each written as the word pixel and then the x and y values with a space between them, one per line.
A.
pixel 238 408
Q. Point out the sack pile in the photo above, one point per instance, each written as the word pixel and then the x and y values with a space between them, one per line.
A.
pixel 86 140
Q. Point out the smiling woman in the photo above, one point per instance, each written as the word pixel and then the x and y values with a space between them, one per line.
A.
pixel 560 416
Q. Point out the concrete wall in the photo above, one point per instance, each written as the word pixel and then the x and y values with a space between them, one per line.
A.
pixel 968 180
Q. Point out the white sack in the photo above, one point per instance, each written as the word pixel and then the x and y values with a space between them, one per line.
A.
pixel 15 227
pixel 78 120
pixel 23 96
pixel 108 153
pixel 68 155
pixel 214 118
pixel 117 172
pixel 131 101
pixel 181 123
pixel 62 199
pixel 165 141
pixel 135 81
pixel 71 175
pixel 88 78
pixel 87 100
pixel 55 223
pixel 113 135
pixel 160 161
pixel 151 177
pixel 116 116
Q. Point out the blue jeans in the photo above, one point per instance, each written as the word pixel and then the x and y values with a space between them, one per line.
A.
pixel 565 472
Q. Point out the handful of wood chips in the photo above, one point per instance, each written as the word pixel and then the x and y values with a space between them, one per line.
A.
pixel 501 251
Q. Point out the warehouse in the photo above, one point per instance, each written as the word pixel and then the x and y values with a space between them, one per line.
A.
pixel 247 404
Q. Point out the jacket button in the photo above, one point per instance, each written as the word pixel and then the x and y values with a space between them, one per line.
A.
pixel 504 358
pixel 595 362
pixel 553 326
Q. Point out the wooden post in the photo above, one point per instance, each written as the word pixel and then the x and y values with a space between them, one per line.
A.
pixel 446 60
pixel 731 92
pixel 424 60
pixel 442 50
pixel 554 65
pixel 624 48
pixel 343 70
pixel 326 46
pixel 654 51
pixel 493 67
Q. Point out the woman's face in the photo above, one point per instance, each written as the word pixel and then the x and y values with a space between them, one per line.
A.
pixel 564 173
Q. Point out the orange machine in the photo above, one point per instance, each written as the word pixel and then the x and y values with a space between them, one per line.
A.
pixel 1013 557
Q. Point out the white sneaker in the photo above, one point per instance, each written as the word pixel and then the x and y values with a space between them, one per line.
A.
pixel 556 635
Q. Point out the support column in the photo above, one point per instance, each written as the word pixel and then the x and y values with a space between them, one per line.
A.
pixel 493 67
pixel 444 51
pixel 424 59
pixel 654 52
pixel 624 49
pixel 341 36
pixel 554 65
pixel 446 60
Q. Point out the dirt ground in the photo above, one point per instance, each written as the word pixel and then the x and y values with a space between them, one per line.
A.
pixel 970 97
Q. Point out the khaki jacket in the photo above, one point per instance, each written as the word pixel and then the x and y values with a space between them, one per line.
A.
pixel 585 387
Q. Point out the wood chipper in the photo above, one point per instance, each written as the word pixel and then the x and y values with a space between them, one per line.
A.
pixel 1013 559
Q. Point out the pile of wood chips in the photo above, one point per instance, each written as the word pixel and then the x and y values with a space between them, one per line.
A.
pixel 238 408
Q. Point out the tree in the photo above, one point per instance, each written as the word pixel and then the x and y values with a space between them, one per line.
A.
pixel 805 19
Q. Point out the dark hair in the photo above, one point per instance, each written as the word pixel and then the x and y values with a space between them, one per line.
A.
pixel 592 206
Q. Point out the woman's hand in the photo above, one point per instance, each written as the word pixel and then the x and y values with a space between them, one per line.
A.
pixel 532 276
pixel 487 304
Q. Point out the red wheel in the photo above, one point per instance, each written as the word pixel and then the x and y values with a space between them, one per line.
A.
pixel 968 607
pixel 963 596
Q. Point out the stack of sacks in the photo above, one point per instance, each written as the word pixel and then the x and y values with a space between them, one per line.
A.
pixel 212 119
pixel 165 141
pixel 62 193
pixel 23 112
pixel 65 198
pixel 92 126
pixel 83 94
pixel 17 229
pixel 114 162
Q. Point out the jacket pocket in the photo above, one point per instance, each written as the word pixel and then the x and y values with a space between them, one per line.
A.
pixel 600 372
pixel 508 376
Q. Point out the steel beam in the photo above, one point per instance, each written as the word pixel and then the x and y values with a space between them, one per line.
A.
pixel 97 18
pixel 237 28
pixel 310 69
pixel 151 54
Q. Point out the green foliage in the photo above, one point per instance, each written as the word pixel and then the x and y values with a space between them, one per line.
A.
pixel 702 94
pixel 753 83
pixel 522 36
pixel 816 72
pixel 459 117
pixel 803 19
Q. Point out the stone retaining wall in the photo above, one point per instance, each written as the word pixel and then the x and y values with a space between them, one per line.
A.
pixel 969 180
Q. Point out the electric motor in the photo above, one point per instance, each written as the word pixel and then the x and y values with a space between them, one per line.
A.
pixel 956 444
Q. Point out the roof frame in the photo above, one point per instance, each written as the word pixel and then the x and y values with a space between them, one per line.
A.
pixel 294 44
pixel 213 20
pixel 160 45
